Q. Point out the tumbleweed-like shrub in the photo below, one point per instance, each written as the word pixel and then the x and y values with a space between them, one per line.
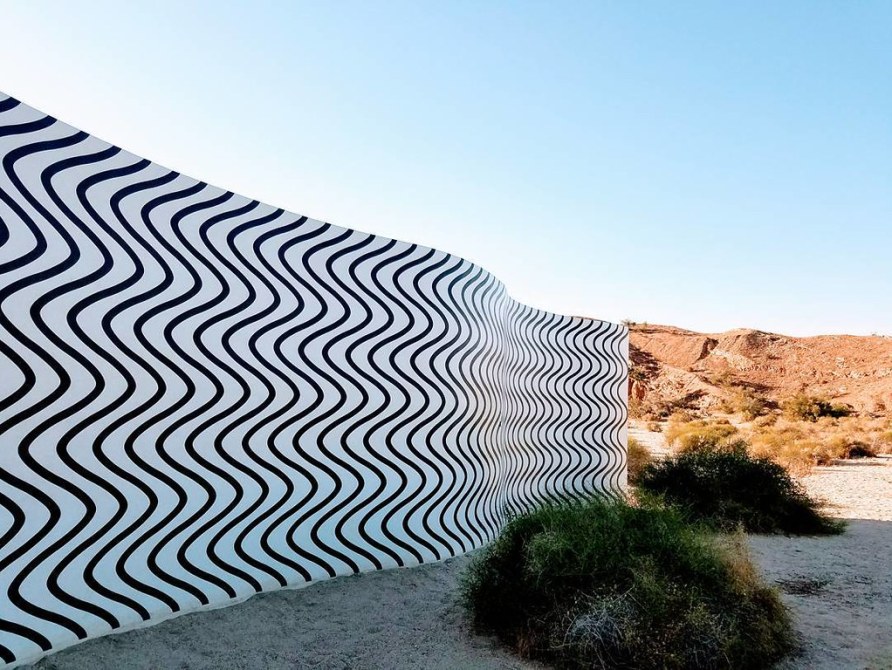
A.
pixel 604 584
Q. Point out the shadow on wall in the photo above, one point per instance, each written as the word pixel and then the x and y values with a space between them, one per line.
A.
pixel 204 397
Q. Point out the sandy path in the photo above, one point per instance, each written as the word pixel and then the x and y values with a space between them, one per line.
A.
pixel 654 442
pixel 392 619
pixel 840 591
pixel 859 489
pixel 840 588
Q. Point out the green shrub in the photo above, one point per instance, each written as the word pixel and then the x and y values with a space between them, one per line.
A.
pixel 637 458
pixel 607 585
pixel 810 408
pixel 725 489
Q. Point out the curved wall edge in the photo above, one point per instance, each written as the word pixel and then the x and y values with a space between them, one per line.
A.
pixel 203 397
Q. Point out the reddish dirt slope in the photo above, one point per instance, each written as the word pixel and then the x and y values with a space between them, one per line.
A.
pixel 670 363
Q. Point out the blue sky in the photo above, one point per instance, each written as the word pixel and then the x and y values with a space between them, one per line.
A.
pixel 712 165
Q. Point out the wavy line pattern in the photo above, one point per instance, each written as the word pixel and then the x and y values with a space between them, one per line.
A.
pixel 203 397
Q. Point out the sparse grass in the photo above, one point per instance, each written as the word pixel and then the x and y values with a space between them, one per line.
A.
pixel 637 458
pixel 657 409
pixel 727 489
pixel 765 420
pixel 803 587
pixel 607 585
pixel 681 416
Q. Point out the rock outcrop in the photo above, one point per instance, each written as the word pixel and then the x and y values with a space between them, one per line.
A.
pixel 670 365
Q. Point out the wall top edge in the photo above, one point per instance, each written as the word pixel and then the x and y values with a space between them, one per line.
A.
pixel 6 100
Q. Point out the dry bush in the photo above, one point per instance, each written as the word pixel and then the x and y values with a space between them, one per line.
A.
pixel 638 457
pixel 766 420
pixel 681 416
pixel 794 443
pixel 699 435
pixel 746 402
pixel 644 409
pixel 799 445
pixel 811 408
pixel 884 442
pixel 656 409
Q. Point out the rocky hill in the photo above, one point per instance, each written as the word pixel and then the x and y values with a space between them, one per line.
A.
pixel 676 368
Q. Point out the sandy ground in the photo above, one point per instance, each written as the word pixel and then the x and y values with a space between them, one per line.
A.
pixel 654 442
pixel 406 618
pixel 839 589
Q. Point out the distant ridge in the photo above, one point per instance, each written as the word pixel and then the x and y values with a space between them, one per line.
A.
pixel 672 364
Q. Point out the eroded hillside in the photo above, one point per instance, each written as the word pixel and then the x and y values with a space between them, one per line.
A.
pixel 677 368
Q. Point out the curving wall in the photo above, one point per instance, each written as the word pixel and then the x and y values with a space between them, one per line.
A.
pixel 203 397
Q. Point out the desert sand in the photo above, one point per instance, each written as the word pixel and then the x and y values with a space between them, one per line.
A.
pixel 404 618
pixel 839 589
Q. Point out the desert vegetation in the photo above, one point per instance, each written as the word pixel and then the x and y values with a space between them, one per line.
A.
pixel 744 401
pixel 802 444
pixel 661 580
pixel 606 584
pixel 811 408
pixel 800 401
pixel 727 488
pixel 700 435
pixel 796 443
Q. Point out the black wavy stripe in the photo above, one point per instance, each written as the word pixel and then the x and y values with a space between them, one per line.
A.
pixel 134 419
pixel 363 508
pixel 110 405
pixel 330 421
pixel 382 505
pixel 448 484
pixel 432 400
pixel 204 397
pixel 254 418
pixel 292 419
pixel 464 422
pixel 297 419
pixel 278 421
pixel 59 379
pixel 65 545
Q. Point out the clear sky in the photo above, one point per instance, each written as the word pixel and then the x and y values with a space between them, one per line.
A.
pixel 711 165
